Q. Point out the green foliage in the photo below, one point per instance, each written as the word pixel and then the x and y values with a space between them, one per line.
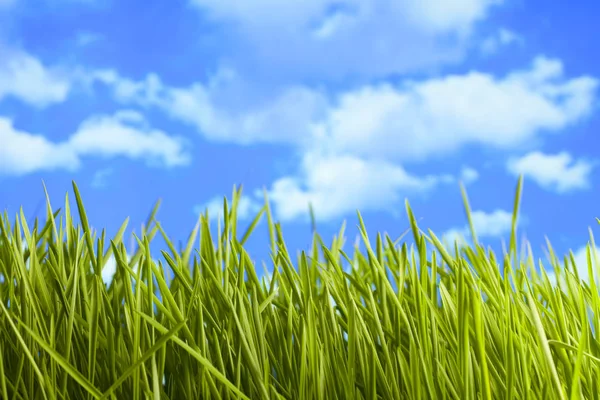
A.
pixel 462 325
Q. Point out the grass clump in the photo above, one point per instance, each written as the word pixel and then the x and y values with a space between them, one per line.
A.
pixel 461 325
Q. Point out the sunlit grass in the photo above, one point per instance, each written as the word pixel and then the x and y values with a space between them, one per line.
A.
pixel 464 324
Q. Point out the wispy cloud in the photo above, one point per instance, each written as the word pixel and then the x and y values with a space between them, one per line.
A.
pixel 212 107
pixel 101 178
pixel 469 175
pixel 87 38
pixel 504 37
pixel 335 39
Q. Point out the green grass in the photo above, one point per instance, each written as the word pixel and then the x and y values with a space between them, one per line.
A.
pixel 464 324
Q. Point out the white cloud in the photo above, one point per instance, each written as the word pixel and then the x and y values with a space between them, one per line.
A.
pixel 100 178
pixel 283 119
pixel 109 270
pixel 468 175
pixel 438 16
pixel 127 133
pixel 22 153
pixel 222 110
pixel 26 78
pixel 553 172
pixel 503 37
pixel 333 25
pixel 247 208
pixel 86 38
pixel 369 130
pixel 439 116
pixel 124 134
pixel 460 236
pixel 337 185
pixel 332 39
pixel 125 90
pixel 494 224
pixel 407 122
pixel 486 224
pixel 581 264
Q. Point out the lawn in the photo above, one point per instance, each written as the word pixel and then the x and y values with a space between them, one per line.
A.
pixel 463 324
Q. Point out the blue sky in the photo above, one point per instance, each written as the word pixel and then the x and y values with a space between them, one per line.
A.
pixel 347 104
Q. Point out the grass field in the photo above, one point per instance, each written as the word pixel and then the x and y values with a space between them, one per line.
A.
pixel 464 324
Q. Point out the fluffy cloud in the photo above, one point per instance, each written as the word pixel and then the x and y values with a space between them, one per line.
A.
pixel 352 147
pixel 127 134
pixel 337 185
pixel 553 172
pixel 440 116
pixel 26 78
pixel 493 224
pixel 408 122
pixel 22 153
pixel 124 134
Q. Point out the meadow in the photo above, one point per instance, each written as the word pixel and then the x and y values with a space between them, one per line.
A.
pixel 463 324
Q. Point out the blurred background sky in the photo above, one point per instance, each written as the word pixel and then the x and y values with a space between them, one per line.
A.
pixel 348 104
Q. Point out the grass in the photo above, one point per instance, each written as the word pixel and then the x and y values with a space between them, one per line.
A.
pixel 464 324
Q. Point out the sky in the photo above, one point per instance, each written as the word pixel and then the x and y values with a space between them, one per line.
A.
pixel 348 104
